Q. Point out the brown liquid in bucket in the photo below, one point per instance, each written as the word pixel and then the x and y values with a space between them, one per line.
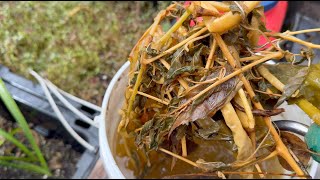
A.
pixel 160 163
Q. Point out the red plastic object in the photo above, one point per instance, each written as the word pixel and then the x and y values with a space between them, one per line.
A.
pixel 275 18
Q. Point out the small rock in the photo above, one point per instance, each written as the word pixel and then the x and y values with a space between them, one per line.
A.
pixel 55 162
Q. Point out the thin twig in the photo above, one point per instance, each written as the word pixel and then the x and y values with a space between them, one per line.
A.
pixel 147 61
pixel 152 97
pixel 270 94
pixel 180 157
pixel 226 78
pixel 184 146
pixel 212 51
pixel 193 40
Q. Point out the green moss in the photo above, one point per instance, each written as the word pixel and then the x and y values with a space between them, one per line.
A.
pixel 72 51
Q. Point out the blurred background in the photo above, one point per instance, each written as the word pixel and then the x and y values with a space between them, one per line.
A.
pixel 76 45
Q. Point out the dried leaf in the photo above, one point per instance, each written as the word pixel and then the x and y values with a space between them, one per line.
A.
pixel 196 59
pixel 235 9
pixel 203 11
pixel 151 52
pixel 294 83
pixel 259 112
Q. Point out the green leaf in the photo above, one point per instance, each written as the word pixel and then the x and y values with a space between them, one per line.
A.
pixel 14 158
pixel 16 142
pixel 293 84
pixel 15 131
pixel 25 166
pixel 2 140
pixel 18 116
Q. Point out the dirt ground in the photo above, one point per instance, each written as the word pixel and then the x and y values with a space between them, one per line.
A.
pixel 61 158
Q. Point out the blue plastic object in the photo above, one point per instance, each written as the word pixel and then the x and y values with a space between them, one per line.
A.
pixel 312 138
pixel 268 4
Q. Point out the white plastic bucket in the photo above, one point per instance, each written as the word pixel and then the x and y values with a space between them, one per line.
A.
pixel 109 120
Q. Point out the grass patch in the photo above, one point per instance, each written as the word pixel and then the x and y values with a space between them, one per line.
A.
pixel 76 45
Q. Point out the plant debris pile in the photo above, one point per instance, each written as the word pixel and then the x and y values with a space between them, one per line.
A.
pixel 202 79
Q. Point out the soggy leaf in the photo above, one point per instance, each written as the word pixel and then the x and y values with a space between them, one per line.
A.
pixel 153 132
pixel 208 128
pixel 297 146
pixel 196 59
pixel 189 69
pixel 310 86
pixel 293 84
pixel 231 38
pixel 212 166
pixel 259 112
pixel 209 103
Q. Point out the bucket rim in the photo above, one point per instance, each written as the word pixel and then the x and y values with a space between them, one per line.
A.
pixel 108 160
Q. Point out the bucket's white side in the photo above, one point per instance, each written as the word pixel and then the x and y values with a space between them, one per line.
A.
pixel 112 169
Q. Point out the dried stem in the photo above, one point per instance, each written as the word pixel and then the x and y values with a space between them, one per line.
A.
pixel 193 40
pixel 180 157
pixel 281 148
pixel 251 58
pixel 266 173
pixel 247 108
pixel 276 55
pixel 261 174
pixel 270 94
pixel 294 39
pixel 165 37
pixel 165 102
pixel 147 61
pixel 184 146
pixel 264 72
pixel 302 31
pixel 212 51
pixel 135 91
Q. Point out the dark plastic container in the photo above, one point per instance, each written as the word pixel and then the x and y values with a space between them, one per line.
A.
pixel 37 110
